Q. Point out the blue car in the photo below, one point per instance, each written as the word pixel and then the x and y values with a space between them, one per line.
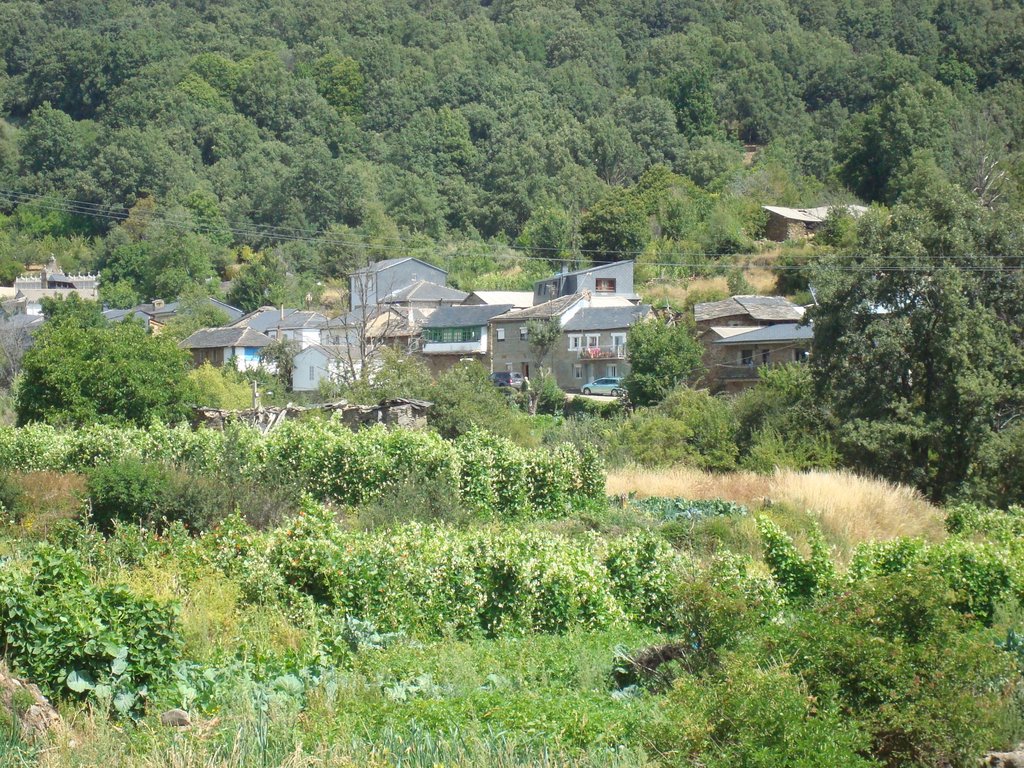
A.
pixel 606 386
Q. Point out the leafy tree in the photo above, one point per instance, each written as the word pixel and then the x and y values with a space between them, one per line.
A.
pixel 543 335
pixel 261 283
pixel 614 228
pixel 916 344
pixel 79 374
pixel 662 356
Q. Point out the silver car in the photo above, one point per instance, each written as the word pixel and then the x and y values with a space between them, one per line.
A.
pixel 606 386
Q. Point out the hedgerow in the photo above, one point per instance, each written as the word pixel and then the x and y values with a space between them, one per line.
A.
pixel 494 477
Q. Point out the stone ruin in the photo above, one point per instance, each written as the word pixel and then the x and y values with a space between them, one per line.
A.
pixel 400 412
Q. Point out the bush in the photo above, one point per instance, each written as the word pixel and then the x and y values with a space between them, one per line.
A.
pixel 11 497
pixel 797 577
pixel 72 637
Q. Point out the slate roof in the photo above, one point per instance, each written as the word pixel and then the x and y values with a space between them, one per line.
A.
pixel 766 308
pixel 215 338
pixel 595 268
pixel 424 290
pixel 606 318
pixel 772 334
pixel 812 215
pixel 172 307
pixel 267 318
pixel 380 266
pixel 465 315
pixel 552 308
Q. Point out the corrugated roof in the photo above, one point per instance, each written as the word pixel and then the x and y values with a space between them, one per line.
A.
pixel 606 318
pixel 772 334
pixel 465 315
pixel 424 290
pixel 758 307
pixel 212 338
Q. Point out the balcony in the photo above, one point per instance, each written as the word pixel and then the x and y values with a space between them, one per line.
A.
pixel 744 372
pixel 613 352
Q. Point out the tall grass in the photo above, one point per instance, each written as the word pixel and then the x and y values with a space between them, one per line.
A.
pixel 848 506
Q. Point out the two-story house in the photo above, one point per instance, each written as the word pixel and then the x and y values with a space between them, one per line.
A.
pixel 452 334
pixel 592 344
pixel 370 285
pixel 615 279
pixel 238 347
pixel 298 325
pixel 743 333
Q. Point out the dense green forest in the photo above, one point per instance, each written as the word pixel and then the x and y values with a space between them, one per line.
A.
pixel 346 131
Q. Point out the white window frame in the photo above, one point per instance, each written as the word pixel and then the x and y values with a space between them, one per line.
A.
pixel 593 340
pixel 612 371
pixel 575 342
pixel 618 339
pixel 523 333
pixel 577 371
pixel 499 334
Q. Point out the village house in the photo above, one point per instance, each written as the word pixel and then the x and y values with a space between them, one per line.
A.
pixel 452 334
pixel 592 344
pixel 370 285
pixel 50 282
pixel 238 347
pixel 736 354
pixel 320 363
pixel 156 314
pixel 615 279
pixel 795 223
pixel 750 311
pixel 300 326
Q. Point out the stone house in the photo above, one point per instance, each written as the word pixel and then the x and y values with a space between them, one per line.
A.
pixel 239 347
pixel 592 343
pixel 750 311
pixel 735 355
pixel 795 223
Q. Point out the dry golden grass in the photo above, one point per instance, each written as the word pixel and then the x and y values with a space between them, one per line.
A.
pixel 850 508
pixel 761 279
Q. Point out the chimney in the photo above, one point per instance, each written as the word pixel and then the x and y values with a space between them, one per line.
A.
pixel 282 312
pixel 158 303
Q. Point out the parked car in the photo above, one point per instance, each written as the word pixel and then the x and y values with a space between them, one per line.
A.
pixel 605 386
pixel 507 379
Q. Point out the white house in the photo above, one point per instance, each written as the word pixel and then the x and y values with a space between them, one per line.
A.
pixel 298 325
pixel 322 362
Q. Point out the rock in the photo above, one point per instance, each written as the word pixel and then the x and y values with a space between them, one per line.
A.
pixel 1005 759
pixel 35 714
pixel 176 718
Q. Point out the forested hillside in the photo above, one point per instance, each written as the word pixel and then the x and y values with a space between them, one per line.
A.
pixel 390 126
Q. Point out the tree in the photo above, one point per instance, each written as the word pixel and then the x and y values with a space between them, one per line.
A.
pixel 662 356
pixel 615 228
pixel 260 284
pixel 113 373
pixel 280 355
pixel 916 339
pixel 543 335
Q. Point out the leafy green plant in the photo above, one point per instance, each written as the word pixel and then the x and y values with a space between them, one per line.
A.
pixel 797 577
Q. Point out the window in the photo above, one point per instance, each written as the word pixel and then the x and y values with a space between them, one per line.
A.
pixel 499 334
pixel 574 342
pixel 451 335
pixel 613 371
pixel 800 355
pixel 606 284
pixel 522 333
pixel 746 357
pixel 593 340
pixel 577 371
pixel 619 339
pixel 312 373
pixel 766 356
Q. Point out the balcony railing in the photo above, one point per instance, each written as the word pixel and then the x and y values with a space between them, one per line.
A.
pixel 613 352
pixel 744 372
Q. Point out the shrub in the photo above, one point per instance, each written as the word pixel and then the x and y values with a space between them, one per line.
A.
pixel 72 637
pixel 797 577
pixel 11 497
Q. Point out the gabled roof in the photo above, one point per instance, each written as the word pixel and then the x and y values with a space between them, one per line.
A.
pixel 268 318
pixel 552 308
pixel 172 308
pixel 595 268
pixel 424 290
pixel 380 266
pixel 757 307
pixel 465 315
pixel 607 318
pixel 329 351
pixel 215 338
pixel 518 299
pixel 771 334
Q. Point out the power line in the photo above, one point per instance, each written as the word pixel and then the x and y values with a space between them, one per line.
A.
pixel 285 234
